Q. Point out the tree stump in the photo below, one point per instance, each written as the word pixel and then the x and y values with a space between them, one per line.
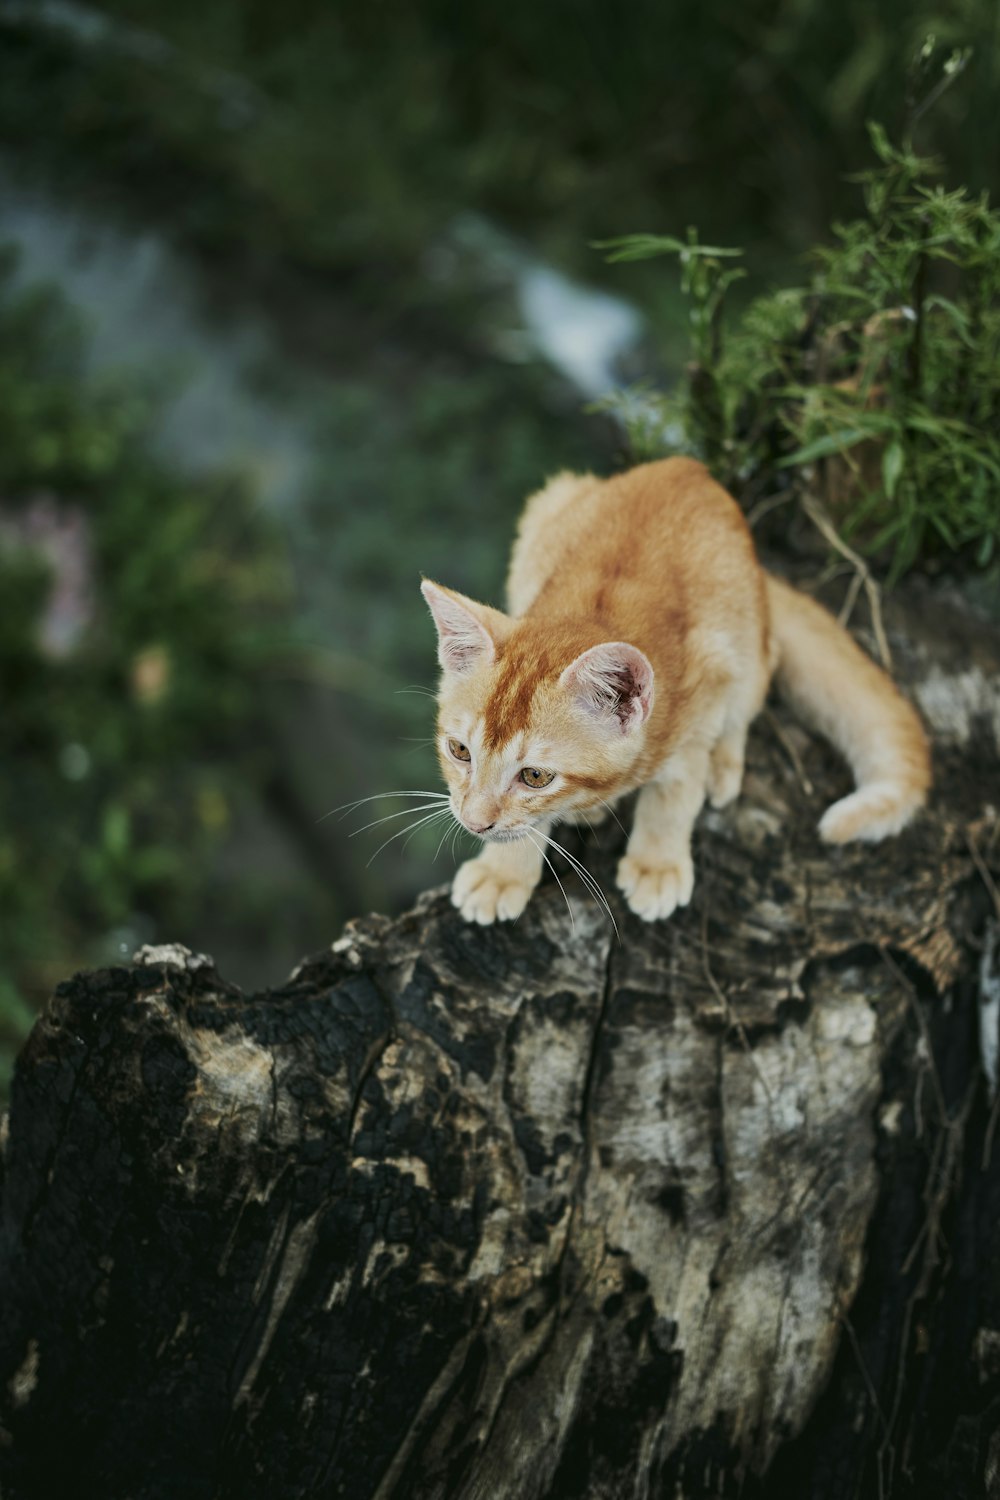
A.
pixel 530 1211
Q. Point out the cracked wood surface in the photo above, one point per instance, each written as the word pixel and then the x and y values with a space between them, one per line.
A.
pixel 524 1212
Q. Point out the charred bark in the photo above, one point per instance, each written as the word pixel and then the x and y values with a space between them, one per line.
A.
pixel 531 1213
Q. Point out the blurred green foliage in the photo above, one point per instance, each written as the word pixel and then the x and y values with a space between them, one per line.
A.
pixel 117 764
pixel 882 371
pixel 345 135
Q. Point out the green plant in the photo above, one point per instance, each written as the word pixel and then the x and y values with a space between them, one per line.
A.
pixel 877 383
pixel 135 603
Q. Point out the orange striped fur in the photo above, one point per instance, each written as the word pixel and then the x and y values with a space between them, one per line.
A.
pixel 639 640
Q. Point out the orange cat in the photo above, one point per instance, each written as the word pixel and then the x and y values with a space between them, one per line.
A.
pixel 641 637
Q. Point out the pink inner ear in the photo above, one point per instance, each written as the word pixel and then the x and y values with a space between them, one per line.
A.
pixel 464 643
pixel 613 682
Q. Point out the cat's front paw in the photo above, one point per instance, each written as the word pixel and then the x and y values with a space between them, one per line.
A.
pixel 483 894
pixel 656 890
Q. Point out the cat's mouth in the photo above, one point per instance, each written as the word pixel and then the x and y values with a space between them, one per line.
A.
pixel 502 835
pixel 492 835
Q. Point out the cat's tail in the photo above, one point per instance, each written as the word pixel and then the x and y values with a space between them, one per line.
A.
pixel 841 692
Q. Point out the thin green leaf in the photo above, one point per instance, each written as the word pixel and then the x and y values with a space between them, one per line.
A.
pixel 893 460
pixel 833 442
pixel 880 141
pixel 628 247
pixel 956 315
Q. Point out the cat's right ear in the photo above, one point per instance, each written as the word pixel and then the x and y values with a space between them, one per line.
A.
pixel 613 684
pixel 467 632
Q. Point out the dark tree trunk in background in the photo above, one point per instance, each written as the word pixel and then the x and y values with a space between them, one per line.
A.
pixel 526 1212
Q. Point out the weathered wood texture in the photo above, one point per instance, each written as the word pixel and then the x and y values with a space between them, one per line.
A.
pixel 519 1212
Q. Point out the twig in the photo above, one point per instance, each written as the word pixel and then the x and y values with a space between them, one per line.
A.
pixel 850 599
pixel 764 507
pixel 989 1133
pixel 922 1027
pixel 943 1175
pixel 833 571
pixel 984 871
pixel 990 884
pixel 825 527
pixel 959 64
pixel 866 1377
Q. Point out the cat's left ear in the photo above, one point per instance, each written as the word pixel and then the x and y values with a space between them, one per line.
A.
pixel 468 633
pixel 612 682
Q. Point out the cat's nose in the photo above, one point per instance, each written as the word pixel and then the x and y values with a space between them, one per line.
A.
pixel 480 827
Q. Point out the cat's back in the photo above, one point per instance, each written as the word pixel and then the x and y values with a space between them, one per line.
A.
pixel 663 526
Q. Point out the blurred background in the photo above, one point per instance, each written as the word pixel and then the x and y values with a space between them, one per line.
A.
pixel 297 303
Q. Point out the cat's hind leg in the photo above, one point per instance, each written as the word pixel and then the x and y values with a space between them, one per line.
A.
pixel 725 767
pixel 657 873
pixel 497 884
pixel 727 755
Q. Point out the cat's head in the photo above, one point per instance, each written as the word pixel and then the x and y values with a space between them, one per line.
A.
pixel 535 719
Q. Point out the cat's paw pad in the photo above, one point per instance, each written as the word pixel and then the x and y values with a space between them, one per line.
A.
pixel 483 896
pixel 654 891
pixel 725 776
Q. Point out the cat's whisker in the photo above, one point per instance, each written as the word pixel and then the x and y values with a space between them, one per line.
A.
pixel 427 818
pixel 405 812
pixel 415 829
pixel 593 886
pixel 444 835
pixel 415 743
pixel 611 810
pixel 589 881
pixel 417 688
pixel 346 807
pixel 440 844
pixel 572 915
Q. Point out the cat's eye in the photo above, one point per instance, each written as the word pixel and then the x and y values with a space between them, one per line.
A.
pixel 532 776
pixel 458 750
